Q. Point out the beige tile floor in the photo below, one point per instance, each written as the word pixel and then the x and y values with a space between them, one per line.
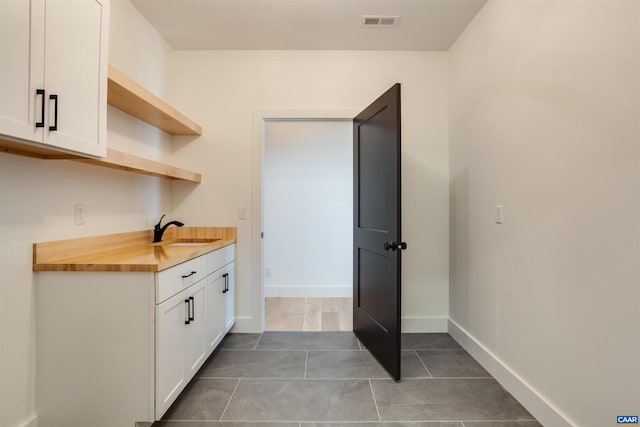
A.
pixel 308 314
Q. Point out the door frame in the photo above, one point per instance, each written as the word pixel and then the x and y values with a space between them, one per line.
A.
pixel 255 322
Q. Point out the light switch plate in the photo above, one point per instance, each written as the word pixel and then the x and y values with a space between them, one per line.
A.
pixel 499 214
pixel 78 213
pixel 242 212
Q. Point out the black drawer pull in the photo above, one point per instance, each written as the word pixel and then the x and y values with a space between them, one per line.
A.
pixel 188 275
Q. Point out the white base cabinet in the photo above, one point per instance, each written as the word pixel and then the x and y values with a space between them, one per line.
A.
pixel 119 347
pixel 180 343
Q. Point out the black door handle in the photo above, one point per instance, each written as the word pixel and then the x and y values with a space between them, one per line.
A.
pixel 226 283
pixel 55 113
pixel 186 322
pixel 393 246
pixel 192 314
pixel 40 124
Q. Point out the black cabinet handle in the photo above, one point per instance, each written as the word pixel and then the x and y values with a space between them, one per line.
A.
pixel 55 113
pixel 186 322
pixel 188 275
pixel 192 314
pixel 40 124
pixel 226 283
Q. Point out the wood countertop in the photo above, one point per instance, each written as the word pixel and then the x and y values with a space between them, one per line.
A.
pixel 130 251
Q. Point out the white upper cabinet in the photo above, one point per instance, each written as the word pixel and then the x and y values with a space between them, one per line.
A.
pixel 23 73
pixel 53 89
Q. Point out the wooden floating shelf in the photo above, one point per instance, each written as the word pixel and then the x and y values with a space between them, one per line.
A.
pixel 128 96
pixel 115 160
pixel 128 162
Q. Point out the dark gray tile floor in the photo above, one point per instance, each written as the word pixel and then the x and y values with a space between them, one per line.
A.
pixel 328 379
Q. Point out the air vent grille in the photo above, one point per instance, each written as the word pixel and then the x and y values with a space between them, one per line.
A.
pixel 378 21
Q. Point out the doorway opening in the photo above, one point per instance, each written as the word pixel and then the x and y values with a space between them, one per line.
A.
pixel 307 218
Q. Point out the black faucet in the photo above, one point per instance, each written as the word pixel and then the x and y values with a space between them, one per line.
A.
pixel 159 231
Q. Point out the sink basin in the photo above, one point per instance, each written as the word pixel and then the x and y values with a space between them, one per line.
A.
pixel 188 242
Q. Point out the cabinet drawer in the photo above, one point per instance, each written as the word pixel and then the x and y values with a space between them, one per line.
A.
pixel 172 280
pixel 218 259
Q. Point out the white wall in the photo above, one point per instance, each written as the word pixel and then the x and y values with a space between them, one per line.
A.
pixel 308 208
pixel 544 120
pixel 36 204
pixel 222 89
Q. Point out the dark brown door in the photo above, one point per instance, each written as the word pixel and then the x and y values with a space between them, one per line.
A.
pixel 377 247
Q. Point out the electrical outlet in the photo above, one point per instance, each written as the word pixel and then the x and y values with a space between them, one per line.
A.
pixel 267 272
pixel 78 213
pixel 499 214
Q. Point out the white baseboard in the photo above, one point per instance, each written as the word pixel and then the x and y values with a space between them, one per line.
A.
pixel 31 422
pixel 424 324
pixel 532 400
pixel 308 291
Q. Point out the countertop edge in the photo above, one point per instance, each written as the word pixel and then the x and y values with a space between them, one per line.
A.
pixel 94 265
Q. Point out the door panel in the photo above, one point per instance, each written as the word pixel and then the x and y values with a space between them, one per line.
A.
pixel 215 311
pixel 170 353
pixel 22 40
pixel 195 335
pixel 376 286
pixel 74 39
pixel 230 297
pixel 374 290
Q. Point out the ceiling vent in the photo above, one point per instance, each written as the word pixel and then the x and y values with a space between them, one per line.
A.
pixel 378 21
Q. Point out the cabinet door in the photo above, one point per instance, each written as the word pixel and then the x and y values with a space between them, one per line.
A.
pixel 230 297
pixel 215 310
pixel 195 348
pixel 170 355
pixel 21 68
pixel 76 72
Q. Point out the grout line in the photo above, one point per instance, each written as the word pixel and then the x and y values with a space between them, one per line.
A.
pixel 464 378
pixel 525 420
pixel 374 401
pixel 306 362
pixel 215 422
pixel 256 346
pixel 316 378
pixel 423 364
pixel 290 349
pixel 207 377
pixel 230 397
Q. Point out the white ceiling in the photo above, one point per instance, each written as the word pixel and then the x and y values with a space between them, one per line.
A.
pixel 308 24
